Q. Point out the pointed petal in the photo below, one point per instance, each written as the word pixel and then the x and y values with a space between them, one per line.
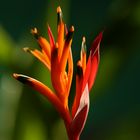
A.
pixel 60 28
pixel 79 81
pixel 37 85
pixel 44 44
pixel 95 58
pixel 80 117
pixel 60 39
pixel 40 56
pixel 52 41
pixel 96 43
pixel 45 91
pixel 94 68
pixel 55 70
pixel 87 73
pixel 70 70
pixel 65 54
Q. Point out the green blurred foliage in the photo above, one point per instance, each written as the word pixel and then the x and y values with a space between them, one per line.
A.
pixel 5 40
pixel 115 99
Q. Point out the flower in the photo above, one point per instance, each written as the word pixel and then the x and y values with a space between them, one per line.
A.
pixel 57 57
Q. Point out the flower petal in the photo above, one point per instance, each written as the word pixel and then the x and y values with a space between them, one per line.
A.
pixel 70 70
pixel 39 55
pixel 80 117
pixel 58 77
pixel 65 54
pixel 96 43
pixel 52 41
pixel 87 73
pixel 37 85
pixel 60 40
pixel 60 28
pixel 45 91
pixel 94 68
pixel 95 58
pixel 44 44
pixel 79 82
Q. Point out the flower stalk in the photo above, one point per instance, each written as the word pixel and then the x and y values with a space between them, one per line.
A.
pixel 57 58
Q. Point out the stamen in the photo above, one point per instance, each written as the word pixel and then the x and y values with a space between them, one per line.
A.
pixel 34 32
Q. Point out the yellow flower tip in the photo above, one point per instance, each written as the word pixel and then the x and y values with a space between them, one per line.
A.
pixel 59 15
pixel 26 49
pixel 34 32
pixel 84 39
pixel 15 75
pixel 83 46
pixel 72 29
pixel 29 50
pixel 59 9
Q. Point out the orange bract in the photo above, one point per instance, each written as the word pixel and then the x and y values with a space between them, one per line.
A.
pixel 57 57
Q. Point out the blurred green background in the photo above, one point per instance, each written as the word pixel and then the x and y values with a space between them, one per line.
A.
pixel 115 98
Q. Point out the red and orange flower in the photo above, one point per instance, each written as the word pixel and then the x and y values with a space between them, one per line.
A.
pixel 57 57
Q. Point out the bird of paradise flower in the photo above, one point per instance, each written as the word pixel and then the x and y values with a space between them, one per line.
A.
pixel 57 57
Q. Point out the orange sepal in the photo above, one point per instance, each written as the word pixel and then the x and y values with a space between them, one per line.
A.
pixel 60 39
pixel 67 45
pixel 45 46
pixel 70 71
pixel 60 29
pixel 43 43
pixel 45 91
pixel 57 76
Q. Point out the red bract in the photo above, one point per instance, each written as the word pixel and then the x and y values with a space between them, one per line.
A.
pixel 57 57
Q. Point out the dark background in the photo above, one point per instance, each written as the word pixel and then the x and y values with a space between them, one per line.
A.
pixel 115 98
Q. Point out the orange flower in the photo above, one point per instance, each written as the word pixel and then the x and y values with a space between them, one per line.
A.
pixel 57 57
